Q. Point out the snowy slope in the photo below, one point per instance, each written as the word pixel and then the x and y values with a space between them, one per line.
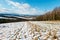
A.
pixel 31 30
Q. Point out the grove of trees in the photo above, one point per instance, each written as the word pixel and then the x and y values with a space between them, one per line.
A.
pixel 51 15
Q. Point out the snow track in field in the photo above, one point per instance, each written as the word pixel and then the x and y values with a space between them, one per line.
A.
pixel 31 30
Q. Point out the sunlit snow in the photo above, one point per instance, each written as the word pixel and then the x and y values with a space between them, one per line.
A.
pixel 30 30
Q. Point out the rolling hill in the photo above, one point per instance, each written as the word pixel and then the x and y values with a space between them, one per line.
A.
pixel 51 15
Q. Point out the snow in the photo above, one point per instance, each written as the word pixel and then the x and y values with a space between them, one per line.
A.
pixel 30 30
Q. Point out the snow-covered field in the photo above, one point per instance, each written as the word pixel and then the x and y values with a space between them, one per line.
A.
pixel 30 30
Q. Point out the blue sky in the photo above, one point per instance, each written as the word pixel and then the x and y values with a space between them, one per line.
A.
pixel 31 7
pixel 42 4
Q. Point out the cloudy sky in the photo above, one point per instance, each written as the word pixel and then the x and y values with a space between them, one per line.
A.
pixel 30 7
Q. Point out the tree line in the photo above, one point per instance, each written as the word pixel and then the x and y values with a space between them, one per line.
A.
pixel 51 15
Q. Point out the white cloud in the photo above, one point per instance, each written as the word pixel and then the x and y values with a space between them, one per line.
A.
pixel 3 10
pixel 19 8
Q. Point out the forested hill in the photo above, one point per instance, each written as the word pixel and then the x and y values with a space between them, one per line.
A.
pixel 51 15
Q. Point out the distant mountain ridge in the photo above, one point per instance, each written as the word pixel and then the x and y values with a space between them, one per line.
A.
pixel 16 15
pixel 10 14
pixel 11 17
